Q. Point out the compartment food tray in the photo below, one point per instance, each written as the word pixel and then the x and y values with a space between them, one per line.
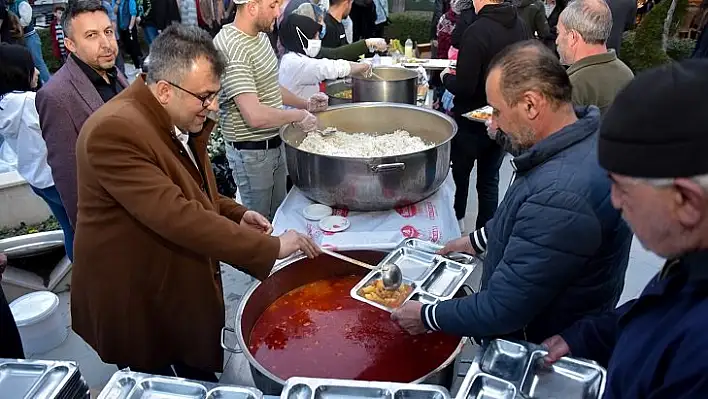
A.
pixel 433 277
pixel 515 370
pixel 472 115
pixel 38 379
pixel 126 384
pixel 317 388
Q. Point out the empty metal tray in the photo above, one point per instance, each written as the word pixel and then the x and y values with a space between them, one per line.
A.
pixel 502 365
pixel 568 378
pixel 126 384
pixel 34 378
pixel 317 388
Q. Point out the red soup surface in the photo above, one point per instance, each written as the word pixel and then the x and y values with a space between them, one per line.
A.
pixel 319 330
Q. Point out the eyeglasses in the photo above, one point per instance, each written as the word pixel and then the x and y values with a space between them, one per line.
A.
pixel 206 100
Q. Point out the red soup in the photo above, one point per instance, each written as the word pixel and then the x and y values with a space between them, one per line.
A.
pixel 319 330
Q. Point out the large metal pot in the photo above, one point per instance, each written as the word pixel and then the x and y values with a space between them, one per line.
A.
pixel 373 184
pixel 389 84
pixel 335 87
pixel 296 273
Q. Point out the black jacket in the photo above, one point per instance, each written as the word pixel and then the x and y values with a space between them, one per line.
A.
pixel 496 27
pixel 467 17
pixel 624 14
pixel 533 14
pixel 335 35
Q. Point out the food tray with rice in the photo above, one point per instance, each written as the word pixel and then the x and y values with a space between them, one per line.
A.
pixel 427 277
pixel 480 115
pixel 514 370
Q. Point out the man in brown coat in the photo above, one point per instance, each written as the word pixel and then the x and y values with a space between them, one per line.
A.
pixel 146 289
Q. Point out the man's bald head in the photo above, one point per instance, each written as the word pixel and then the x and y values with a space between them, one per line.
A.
pixel 591 19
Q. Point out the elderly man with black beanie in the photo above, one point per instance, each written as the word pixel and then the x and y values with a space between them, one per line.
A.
pixel 656 346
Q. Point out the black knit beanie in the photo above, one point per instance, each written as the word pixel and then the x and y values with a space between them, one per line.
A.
pixel 657 127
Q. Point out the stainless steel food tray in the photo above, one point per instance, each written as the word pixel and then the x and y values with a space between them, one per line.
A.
pixel 486 109
pixel 515 370
pixel 433 277
pixel 130 385
pixel 35 379
pixel 317 388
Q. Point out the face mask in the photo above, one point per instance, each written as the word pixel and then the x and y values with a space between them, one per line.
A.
pixel 313 45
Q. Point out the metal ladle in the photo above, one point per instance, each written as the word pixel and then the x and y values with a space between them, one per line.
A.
pixel 391 275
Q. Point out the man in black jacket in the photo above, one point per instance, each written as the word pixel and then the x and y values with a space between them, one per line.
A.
pixel 497 26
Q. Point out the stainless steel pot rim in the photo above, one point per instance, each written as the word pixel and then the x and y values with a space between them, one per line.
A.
pixel 412 74
pixel 254 363
pixel 441 115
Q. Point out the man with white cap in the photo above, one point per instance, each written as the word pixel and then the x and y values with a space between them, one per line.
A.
pixel 251 106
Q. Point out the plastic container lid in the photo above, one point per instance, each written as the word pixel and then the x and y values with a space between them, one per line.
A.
pixel 316 212
pixel 33 307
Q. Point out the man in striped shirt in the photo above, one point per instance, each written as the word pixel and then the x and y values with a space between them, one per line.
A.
pixel 251 106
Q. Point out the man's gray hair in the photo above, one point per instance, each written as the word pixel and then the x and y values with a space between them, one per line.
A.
pixel 175 50
pixel 701 180
pixel 592 19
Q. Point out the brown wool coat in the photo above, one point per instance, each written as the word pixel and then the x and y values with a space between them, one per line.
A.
pixel 146 288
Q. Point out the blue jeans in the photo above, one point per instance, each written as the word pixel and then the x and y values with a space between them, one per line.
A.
pixel 150 32
pixel 260 176
pixel 50 195
pixel 34 45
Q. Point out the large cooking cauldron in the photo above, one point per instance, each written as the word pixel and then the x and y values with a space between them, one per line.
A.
pixel 388 84
pixel 296 273
pixel 373 184
pixel 335 88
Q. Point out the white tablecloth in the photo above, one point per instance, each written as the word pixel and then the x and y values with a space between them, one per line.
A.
pixel 432 219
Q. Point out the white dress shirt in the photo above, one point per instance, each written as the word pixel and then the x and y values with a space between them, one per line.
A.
pixel 302 75
pixel 19 126
pixel 184 139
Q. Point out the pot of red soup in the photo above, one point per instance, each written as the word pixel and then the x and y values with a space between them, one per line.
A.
pixel 301 321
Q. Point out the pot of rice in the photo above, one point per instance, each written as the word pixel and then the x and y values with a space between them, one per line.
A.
pixel 371 156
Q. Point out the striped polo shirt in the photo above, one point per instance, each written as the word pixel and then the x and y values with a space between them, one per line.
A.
pixel 252 67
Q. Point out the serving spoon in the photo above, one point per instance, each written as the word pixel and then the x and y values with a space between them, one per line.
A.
pixel 391 275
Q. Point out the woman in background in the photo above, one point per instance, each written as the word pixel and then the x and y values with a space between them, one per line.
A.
pixel 19 127
pixel 299 71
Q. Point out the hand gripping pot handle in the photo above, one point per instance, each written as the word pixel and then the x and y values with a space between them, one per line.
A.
pixel 227 348
pixel 386 167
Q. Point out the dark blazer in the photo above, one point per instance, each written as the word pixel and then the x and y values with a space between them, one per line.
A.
pixel 64 104
pixel 624 14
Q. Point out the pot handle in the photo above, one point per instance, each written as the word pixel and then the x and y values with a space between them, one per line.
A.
pixel 387 167
pixel 223 341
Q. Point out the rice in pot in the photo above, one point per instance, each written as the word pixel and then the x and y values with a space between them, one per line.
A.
pixel 363 145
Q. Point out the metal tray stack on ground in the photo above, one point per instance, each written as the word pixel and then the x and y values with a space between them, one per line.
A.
pixel 317 388
pixel 511 370
pixel 126 384
pixel 41 379
pixel 433 277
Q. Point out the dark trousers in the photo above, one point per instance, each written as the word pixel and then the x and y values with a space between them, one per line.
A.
pixel 469 145
pixel 177 370
pixel 10 342
pixel 363 21
pixel 129 38
pixel 50 195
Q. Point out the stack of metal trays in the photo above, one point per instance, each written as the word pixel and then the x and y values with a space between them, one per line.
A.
pixel 432 277
pixel 126 384
pixel 511 370
pixel 41 379
pixel 317 388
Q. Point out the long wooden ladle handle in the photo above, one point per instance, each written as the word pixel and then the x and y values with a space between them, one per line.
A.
pixel 348 259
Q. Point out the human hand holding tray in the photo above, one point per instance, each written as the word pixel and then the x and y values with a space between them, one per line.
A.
pixel 516 370
pixel 427 277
